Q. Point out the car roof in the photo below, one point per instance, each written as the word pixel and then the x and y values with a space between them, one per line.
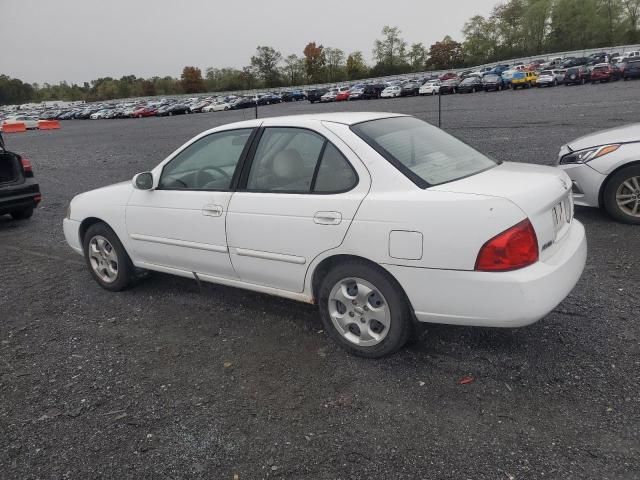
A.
pixel 346 118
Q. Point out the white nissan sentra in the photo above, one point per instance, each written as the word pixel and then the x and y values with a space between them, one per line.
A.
pixel 381 219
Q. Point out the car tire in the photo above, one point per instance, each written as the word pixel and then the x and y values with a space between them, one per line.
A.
pixel 385 297
pixel 626 183
pixel 113 279
pixel 22 214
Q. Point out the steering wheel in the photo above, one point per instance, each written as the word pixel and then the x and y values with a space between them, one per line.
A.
pixel 203 176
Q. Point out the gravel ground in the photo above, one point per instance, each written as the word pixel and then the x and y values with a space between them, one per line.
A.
pixel 167 381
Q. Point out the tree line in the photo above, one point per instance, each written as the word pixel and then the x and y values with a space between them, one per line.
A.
pixel 515 28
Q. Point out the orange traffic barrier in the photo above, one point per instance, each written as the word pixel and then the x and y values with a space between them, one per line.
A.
pixel 48 124
pixel 14 127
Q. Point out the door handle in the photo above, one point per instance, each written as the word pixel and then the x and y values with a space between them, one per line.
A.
pixel 328 218
pixel 212 210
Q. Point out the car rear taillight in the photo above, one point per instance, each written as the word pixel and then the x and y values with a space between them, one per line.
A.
pixel 27 167
pixel 37 198
pixel 514 248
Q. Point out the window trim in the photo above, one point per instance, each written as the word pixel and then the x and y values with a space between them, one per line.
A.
pixel 246 168
pixel 236 173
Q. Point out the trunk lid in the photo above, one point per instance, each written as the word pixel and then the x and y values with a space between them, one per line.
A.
pixel 542 193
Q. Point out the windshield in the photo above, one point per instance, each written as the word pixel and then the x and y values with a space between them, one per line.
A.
pixel 425 154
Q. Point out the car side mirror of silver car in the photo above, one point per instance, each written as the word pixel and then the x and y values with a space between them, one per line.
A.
pixel 143 181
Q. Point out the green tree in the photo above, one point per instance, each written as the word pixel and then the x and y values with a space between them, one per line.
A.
pixel 335 64
pixel 294 69
pixel 632 10
pixel 248 75
pixel 390 51
pixel 417 57
pixel 356 66
pixel 480 42
pixel 265 62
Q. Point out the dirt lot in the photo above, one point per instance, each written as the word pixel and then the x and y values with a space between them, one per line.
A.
pixel 167 381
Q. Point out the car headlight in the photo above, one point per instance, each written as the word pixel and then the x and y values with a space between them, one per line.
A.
pixel 588 154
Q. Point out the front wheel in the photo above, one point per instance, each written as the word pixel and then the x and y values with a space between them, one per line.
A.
pixel 622 195
pixel 364 310
pixel 108 261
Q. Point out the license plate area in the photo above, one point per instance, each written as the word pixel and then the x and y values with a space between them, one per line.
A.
pixel 562 215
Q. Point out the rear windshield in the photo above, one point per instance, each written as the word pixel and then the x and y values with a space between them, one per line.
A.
pixel 425 154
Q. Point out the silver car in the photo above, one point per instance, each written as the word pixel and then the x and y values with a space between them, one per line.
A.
pixel 605 170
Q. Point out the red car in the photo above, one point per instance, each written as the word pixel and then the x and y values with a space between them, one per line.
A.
pixel 343 94
pixel 144 112
pixel 605 72
pixel 448 76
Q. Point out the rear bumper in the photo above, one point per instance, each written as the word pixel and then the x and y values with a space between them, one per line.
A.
pixel 72 234
pixel 18 197
pixel 495 299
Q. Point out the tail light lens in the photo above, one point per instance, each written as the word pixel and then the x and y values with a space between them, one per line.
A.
pixel 514 248
pixel 27 167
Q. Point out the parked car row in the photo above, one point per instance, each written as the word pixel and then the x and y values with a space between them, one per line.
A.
pixel 151 108
pixel 597 68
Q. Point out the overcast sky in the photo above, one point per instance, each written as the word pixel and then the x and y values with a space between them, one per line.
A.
pixel 80 40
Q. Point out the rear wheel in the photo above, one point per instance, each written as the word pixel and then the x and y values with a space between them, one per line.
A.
pixel 22 214
pixel 108 261
pixel 622 195
pixel 364 310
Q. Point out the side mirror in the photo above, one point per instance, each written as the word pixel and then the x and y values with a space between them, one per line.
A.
pixel 143 181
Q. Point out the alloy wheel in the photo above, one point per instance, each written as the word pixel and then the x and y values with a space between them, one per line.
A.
pixel 628 196
pixel 103 259
pixel 359 312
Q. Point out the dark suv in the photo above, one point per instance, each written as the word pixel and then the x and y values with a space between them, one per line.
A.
pixel 314 95
pixel 19 191
pixel 631 69
pixel 577 76
pixel 372 91
pixel 575 62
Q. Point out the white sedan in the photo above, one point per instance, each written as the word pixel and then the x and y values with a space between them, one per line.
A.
pixel 380 219
pixel 391 92
pixel 330 96
pixel 431 87
pixel 30 123
pixel 217 107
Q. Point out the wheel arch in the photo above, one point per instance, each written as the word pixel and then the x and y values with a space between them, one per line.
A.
pixel 603 187
pixel 323 268
pixel 85 224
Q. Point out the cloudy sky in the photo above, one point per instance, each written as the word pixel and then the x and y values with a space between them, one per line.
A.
pixel 79 40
